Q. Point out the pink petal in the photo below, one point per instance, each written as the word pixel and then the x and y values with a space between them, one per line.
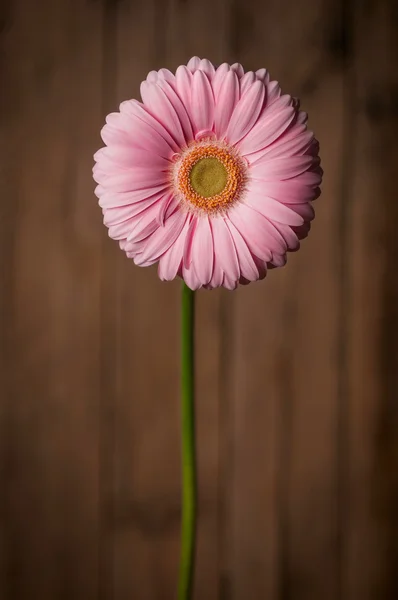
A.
pixel 280 168
pixel 114 216
pixel 229 283
pixel 179 108
pixel 152 76
pixel 273 92
pixel 171 207
pixel 251 232
pixel 100 176
pixel 163 206
pixel 190 277
pixel 163 237
pixel 260 235
pixel 166 75
pixel 101 154
pixel 218 78
pixel 207 67
pixel 272 209
pixel 239 70
pixel 184 83
pixel 122 230
pixel 202 105
pixel 247 265
pixel 243 281
pixel 137 261
pixel 130 157
pixel 110 136
pixel 133 251
pixel 148 132
pixel 247 80
pixel 135 210
pixel 295 141
pixel 246 112
pixel 224 248
pixel 302 117
pixel 313 148
pixel 116 199
pixel 226 100
pixel 101 170
pixel 158 103
pixel 262 75
pixel 288 235
pixel 144 226
pixel 114 119
pixel 193 63
pixel 118 214
pixel 218 274
pixel 132 248
pixel 311 178
pixel 99 191
pixel 279 260
pixel 278 103
pixel 171 260
pixel 202 250
pixel 262 267
pixel 306 211
pixel 266 130
pixel 205 133
pixel 289 191
pixel 187 254
pixel 303 231
pixel 135 179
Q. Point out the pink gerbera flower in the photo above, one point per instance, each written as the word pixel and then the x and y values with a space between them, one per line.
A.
pixel 212 175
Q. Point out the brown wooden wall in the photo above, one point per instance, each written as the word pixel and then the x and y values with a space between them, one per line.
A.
pixel 297 376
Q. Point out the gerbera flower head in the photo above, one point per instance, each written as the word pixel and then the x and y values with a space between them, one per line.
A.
pixel 212 175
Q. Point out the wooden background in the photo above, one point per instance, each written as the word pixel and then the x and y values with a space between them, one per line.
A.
pixel 297 375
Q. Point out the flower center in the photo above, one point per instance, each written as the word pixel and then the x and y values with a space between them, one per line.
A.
pixel 209 176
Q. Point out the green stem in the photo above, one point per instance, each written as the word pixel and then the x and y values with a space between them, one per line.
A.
pixel 188 530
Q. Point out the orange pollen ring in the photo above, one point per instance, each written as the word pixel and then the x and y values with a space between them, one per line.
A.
pixel 234 168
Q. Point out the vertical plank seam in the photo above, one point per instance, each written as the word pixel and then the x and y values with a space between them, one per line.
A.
pixel 226 444
pixel 8 342
pixel 108 341
pixel 344 224
pixel 285 430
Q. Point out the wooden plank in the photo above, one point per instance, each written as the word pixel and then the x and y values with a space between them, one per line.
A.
pixel 8 215
pixel 109 331
pixel 147 426
pixel 285 375
pixel 136 399
pixel 252 552
pixel 145 511
pixel 372 550
pixel 50 484
pixel 314 551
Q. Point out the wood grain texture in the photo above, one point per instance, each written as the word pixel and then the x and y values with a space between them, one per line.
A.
pixel 285 366
pixel 296 375
pixel 50 433
pixel 372 367
pixel 144 493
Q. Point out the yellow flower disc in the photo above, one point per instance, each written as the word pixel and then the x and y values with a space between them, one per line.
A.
pixel 209 177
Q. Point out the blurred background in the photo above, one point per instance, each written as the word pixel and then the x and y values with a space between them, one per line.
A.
pixel 297 376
